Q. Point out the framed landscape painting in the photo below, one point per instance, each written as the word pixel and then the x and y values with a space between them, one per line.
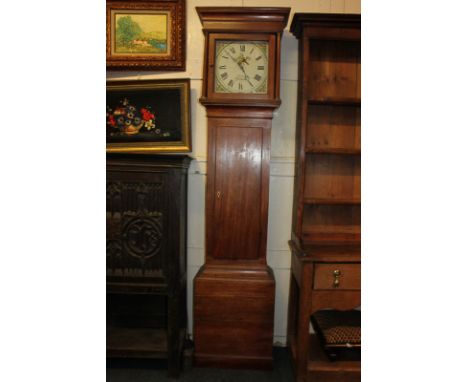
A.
pixel 148 116
pixel 145 35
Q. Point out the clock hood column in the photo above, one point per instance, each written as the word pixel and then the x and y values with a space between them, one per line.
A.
pixel 234 292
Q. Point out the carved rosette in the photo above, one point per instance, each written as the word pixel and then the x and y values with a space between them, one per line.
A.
pixel 134 229
pixel 141 235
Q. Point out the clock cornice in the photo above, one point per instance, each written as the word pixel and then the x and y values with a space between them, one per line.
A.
pixel 228 19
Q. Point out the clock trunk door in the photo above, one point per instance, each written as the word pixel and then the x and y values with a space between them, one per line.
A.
pixel 236 226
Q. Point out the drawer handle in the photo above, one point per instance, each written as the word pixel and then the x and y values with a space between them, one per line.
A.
pixel 336 275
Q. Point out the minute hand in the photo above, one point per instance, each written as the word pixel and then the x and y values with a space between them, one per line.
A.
pixel 246 76
pixel 236 61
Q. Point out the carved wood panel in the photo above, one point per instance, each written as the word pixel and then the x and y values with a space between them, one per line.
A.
pixel 135 228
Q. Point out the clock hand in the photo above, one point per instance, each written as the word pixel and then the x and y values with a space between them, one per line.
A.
pixel 239 64
pixel 246 76
pixel 233 59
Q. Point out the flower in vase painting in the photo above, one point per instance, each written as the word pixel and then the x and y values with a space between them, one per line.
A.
pixel 126 119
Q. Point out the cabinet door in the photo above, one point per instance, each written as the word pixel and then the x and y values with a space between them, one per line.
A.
pixel 238 185
pixel 137 224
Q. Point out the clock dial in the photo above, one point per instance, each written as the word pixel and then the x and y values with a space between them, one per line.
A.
pixel 241 67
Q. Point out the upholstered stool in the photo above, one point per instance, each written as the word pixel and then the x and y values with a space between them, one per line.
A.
pixel 339 333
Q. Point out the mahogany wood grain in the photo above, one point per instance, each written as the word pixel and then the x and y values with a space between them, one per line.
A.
pixel 233 312
pixel 334 299
pixel 227 284
pixel 224 308
pixel 236 341
pixel 349 278
pixel 237 183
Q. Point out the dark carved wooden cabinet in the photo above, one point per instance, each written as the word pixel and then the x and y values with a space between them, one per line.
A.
pixel 146 257
pixel 326 227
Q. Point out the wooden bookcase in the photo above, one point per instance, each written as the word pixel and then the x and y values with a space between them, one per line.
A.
pixel 326 229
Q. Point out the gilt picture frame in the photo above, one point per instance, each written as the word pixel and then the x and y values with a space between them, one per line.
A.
pixel 145 35
pixel 148 116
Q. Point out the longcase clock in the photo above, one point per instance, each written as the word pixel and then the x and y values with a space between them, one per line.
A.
pixel 234 292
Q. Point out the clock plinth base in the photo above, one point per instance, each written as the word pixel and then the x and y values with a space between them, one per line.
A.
pixel 233 317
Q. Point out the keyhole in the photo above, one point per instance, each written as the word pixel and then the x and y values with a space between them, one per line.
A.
pixel 218 194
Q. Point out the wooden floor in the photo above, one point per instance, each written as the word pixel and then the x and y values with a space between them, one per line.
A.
pixel 150 371
pixel 144 343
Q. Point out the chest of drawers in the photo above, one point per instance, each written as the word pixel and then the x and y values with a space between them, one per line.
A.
pixel 321 278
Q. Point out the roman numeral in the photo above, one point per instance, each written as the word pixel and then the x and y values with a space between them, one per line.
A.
pixel 242 48
pixel 259 58
pixel 260 67
pixel 226 57
pixel 257 77
pixel 222 67
pixel 224 75
pixel 232 50
pixel 230 83
pixel 251 51
pixel 240 86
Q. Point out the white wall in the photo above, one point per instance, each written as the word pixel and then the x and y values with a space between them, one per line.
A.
pixel 282 154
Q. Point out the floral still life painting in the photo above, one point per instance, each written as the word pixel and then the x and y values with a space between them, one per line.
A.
pixel 141 33
pixel 151 115
pixel 126 119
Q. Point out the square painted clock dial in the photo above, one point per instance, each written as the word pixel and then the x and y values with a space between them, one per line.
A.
pixel 241 67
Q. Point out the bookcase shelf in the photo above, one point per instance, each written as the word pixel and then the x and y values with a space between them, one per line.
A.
pixel 335 101
pixel 332 201
pixel 328 185
pixel 333 150
pixel 332 128
pixel 332 176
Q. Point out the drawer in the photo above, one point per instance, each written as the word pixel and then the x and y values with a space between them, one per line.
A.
pixel 341 276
